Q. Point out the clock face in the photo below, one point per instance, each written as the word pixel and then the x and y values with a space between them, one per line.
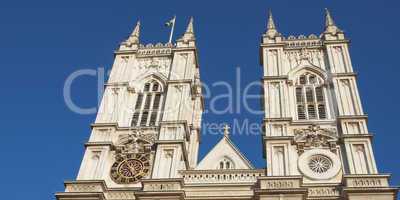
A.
pixel 130 169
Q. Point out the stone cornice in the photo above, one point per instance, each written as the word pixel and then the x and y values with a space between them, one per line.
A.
pixel 267 78
pixel 281 44
pixel 81 195
pixel 122 52
pixel 91 144
pixel 347 117
pixel 118 128
pixel 392 191
pixel 278 119
pixel 219 171
pixel 270 138
pixel 347 74
pixel 181 81
pixel 346 136
pixel 299 122
pixel 310 122
pixel 328 42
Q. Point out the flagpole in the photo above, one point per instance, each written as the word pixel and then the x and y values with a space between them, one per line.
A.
pixel 172 31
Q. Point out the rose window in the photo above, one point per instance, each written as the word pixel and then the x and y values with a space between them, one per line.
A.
pixel 319 164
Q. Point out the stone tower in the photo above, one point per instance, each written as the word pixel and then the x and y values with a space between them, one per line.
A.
pixel 148 123
pixel 315 127
pixel 145 140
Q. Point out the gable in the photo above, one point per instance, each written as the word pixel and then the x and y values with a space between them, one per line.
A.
pixel 224 151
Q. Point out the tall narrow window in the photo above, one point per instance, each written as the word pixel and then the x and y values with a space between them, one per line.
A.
pixel 148 105
pixel 153 118
pixel 320 94
pixel 311 112
pixel 227 165
pixel 146 87
pixel 135 118
pixel 143 121
pixel 299 95
pixel 139 101
pixel 301 112
pixel 156 102
pixel 310 97
pixel 148 101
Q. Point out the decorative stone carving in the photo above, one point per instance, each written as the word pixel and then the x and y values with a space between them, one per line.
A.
pixel 196 88
pixel 315 137
pixel 158 50
pixel 305 56
pixel 280 182
pixel 319 164
pixel 365 181
pixel 132 157
pixel 323 192
pixel 87 187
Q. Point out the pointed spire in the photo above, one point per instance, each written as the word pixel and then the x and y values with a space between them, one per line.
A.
pixel 271 28
pixel 189 28
pixel 134 37
pixel 189 33
pixel 271 24
pixel 330 26
pixel 328 18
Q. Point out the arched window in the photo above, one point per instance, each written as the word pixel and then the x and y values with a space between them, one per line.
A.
pixel 148 105
pixel 226 163
pixel 310 99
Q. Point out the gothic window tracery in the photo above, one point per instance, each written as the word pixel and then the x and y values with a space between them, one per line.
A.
pixel 310 99
pixel 148 105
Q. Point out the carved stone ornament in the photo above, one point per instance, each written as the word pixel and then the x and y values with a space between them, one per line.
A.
pixel 132 157
pixel 196 88
pixel 319 164
pixel 315 137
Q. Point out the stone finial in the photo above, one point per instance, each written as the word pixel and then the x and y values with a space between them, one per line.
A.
pixel 226 130
pixel 134 37
pixel 189 33
pixel 330 26
pixel 271 28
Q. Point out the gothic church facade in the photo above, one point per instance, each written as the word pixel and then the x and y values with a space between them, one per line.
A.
pixel 145 140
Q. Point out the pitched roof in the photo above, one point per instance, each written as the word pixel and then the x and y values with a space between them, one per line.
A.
pixel 224 149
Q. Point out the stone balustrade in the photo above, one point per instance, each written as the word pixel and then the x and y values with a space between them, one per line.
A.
pixel 218 176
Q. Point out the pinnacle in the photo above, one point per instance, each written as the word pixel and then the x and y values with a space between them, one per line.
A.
pixel 330 26
pixel 134 37
pixel 271 28
pixel 189 33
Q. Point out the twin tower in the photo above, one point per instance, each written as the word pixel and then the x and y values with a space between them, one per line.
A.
pixel 145 140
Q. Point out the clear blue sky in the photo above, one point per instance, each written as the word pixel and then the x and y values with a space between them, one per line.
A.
pixel 43 41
